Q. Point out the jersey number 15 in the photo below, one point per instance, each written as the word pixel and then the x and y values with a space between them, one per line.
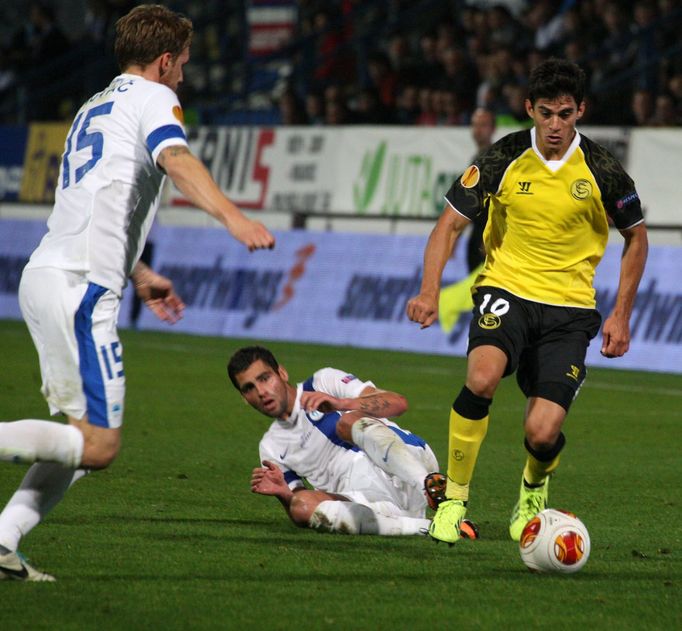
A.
pixel 84 139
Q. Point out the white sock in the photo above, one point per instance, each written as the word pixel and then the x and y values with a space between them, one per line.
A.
pixel 386 450
pixel 350 518
pixel 29 441
pixel 40 491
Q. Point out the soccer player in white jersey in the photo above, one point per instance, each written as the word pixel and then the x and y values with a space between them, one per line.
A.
pixel 122 143
pixel 367 473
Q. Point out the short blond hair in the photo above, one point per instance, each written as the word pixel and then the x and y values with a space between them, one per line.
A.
pixel 149 31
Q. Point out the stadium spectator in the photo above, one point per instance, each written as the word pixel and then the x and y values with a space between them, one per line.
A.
pixel 314 108
pixel 70 289
pixel 400 56
pixel 382 78
pixel 369 110
pixel 530 313
pixel 642 107
pixel 407 105
pixel 665 114
pixel 513 112
pixel 427 64
pixel 675 89
pixel 39 41
pixel 291 110
pixel 503 30
pixel 333 62
pixel 459 75
pixel 644 47
pixel 428 115
pixel 40 45
pixel 454 110
pixel 616 42
pixel 336 112
pixel 366 472
pixel 545 24
pixel 623 46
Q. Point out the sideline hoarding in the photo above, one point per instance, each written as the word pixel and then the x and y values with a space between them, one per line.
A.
pixel 349 289
pixel 354 170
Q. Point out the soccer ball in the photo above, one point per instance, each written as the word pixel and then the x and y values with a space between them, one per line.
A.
pixel 555 541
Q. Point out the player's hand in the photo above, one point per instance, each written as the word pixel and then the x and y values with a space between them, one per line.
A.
pixel 157 293
pixel 268 480
pixel 253 234
pixel 322 402
pixel 423 309
pixel 615 337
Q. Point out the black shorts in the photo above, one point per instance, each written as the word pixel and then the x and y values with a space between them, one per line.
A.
pixel 544 344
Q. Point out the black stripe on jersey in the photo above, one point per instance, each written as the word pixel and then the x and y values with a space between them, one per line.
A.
pixel 492 165
pixel 618 192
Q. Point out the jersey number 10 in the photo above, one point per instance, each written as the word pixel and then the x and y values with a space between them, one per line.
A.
pixel 84 139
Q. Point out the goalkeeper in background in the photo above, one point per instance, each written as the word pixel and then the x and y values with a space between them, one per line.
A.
pixel 549 193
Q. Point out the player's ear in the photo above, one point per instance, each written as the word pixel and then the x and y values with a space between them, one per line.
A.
pixel 282 371
pixel 581 110
pixel 529 108
pixel 164 61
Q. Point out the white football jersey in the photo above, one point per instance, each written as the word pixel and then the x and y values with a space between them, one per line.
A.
pixel 306 445
pixel 109 184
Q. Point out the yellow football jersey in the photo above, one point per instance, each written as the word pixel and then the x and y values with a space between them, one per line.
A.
pixel 547 221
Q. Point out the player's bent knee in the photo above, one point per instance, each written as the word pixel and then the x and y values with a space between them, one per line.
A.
pixel 541 442
pixel 483 383
pixel 543 439
pixel 301 508
pixel 344 426
pixel 101 446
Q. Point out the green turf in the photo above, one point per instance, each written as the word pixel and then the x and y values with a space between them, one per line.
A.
pixel 171 538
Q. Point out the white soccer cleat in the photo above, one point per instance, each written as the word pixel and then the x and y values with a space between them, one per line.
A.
pixel 14 567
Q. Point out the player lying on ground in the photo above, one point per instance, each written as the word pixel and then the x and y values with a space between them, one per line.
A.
pixel 332 430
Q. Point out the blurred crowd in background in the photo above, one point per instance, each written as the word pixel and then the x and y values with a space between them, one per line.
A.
pixel 403 62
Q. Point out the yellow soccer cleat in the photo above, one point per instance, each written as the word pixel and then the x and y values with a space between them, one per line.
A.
pixel 447 521
pixel 531 502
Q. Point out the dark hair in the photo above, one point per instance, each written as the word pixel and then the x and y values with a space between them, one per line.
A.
pixel 149 31
pixel 554 78
pixel 246 356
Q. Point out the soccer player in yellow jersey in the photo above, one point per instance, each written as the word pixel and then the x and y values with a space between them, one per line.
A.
pixel 549 192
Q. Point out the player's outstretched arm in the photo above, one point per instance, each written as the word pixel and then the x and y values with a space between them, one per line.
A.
pixel 157 293
pixel 616 330
pixel 373 402
pixel 195 182
pixel 423 308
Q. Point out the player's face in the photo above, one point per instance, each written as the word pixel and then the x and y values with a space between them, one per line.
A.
pixel 265 389
pixel 172 76
pixel 482 128
pixel 555 121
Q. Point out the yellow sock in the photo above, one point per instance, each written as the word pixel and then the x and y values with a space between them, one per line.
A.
pixel 465 440
pixel 536 471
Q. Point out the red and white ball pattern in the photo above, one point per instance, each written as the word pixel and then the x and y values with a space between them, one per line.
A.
pixel 555 541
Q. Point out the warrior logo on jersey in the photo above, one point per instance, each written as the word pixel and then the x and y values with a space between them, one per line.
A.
pixel 581 189
pixel 178 113
pixel 470 177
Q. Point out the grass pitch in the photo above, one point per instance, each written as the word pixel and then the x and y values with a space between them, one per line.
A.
pixel 171 538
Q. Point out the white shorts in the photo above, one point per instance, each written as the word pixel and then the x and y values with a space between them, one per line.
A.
pixel 386 494
pixel 73 326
